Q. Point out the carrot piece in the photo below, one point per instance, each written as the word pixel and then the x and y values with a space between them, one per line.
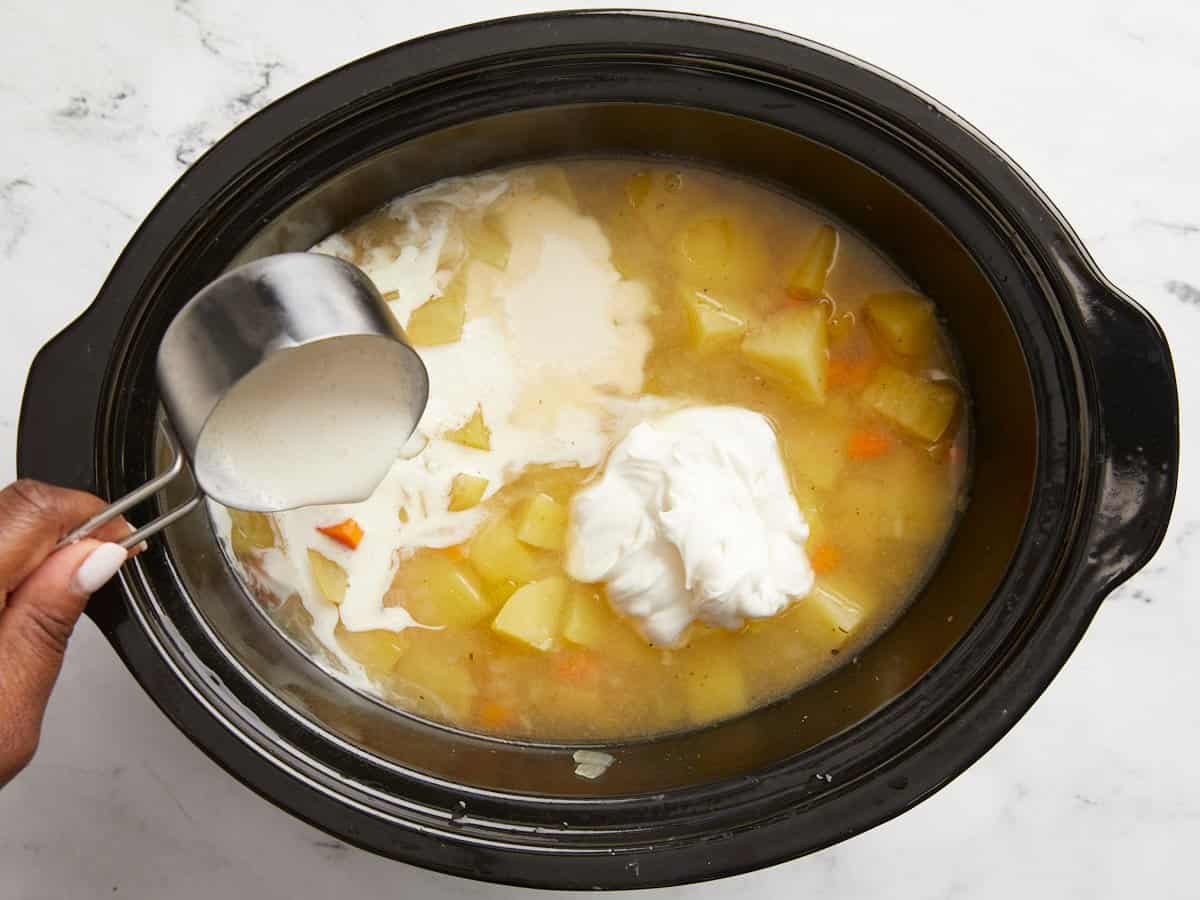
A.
pixel 867 444
pixel 956 455
pixel 839 373
pixel 577 668
pixel 824 558
pixel 348 533
pixel 495 715
pixel 850 373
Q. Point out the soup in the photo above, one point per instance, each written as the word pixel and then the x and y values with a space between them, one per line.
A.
pixel 690 444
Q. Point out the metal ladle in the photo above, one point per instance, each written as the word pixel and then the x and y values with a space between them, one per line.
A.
pixel 230 328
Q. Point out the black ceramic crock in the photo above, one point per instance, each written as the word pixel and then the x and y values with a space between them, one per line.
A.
pixel 1076 449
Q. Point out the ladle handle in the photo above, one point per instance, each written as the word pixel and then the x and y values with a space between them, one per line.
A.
pixel 136 496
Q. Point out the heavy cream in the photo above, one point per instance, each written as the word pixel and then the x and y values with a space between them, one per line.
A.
pixel 692 520
pixel 339 433
pixel 551 356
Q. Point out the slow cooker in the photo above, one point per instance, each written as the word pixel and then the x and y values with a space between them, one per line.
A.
pixel 1076 449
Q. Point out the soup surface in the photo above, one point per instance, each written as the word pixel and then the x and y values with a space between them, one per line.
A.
pixel 690 443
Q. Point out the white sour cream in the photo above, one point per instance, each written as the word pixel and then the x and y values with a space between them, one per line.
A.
pixel 692 520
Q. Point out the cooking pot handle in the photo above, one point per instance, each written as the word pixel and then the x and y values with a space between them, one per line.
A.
pixel 56 433
pixel 1138 452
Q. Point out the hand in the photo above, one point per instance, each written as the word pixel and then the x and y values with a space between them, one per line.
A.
pixel 42 594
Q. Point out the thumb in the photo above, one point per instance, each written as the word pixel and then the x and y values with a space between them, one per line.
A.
pixel 38 620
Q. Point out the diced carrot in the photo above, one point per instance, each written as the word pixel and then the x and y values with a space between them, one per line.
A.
pixel 868 444
pixel 495 715
pixel 853 373
pixel 576 667
pixel 824 558
pixel 840 372
pixel 348 533
pixel 956 455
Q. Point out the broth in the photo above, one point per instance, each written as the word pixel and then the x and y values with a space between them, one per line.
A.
pixel 755 301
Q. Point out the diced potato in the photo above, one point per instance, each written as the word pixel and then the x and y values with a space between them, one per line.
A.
pixel 486 241
pixel 543 523
pixel 920 506
pixel 251 531
pixel 588 620
pixel 439 320
pixel 466 491
pixel 903 500
pixel 922 408
pixel 720 251
pixel 792 347
pixel 903 320
pixel 533 614
pixel 835 607
pixel 836 604
pixel 814 517
pixel 591 622
pixel 498 556
pixel 377 650
pixel 439 591
pixel 661 199
pixel 474 433
pixel 710 323
pixel 637 188
pixel 714 684
pixel 808 278
pixel 330 578
pixel 705 246
pixel 553 180
pixel 560 482
pixel 815 453
pixel 435 675
pixel 499 591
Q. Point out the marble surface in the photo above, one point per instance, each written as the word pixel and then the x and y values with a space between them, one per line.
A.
pixel 1093 794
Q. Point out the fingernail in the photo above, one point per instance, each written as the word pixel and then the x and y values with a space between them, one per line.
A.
pixel 140 548
pixel 101 565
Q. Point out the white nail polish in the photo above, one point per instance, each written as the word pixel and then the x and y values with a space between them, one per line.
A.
pixel 101 565
pixel 140 548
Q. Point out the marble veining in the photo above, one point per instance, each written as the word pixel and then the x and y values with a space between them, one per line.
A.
pixel 191 143
pixel 209 39
pixel 1093 794
pixel 260 89
pixel 1187 293
pixel 260 94
pixel 14 214
pixel 1185 228
pixel 85 105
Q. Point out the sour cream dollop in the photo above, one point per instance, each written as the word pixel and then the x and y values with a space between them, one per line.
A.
pixel 693 520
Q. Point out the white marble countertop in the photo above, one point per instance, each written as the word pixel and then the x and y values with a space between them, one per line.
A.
pixel 1093 795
